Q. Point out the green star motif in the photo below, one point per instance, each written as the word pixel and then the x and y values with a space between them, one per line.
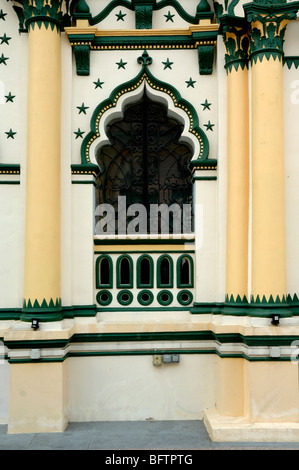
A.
pixel 10 134
pixel 3 59
pixel 9 97
pixel 98 83
pixel 4 39
pixel 167 64
pixel 120 16
pixel 121 64
pixel 82 108
pixel 190 82
pixel 169 17
pixel 209 126
pixel 2 15
pixel 206 105
pixel 79 133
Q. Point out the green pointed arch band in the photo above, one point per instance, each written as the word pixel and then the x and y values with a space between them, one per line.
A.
pixel 155 84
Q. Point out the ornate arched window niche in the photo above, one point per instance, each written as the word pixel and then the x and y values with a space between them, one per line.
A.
pixel 180 114
pixel 113 107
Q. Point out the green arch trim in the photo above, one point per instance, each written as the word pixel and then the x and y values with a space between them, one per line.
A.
pixel 138 273
pixel 170 260
pixel 155 84
pixel 99 285
pixel 119 284
pixel 191 270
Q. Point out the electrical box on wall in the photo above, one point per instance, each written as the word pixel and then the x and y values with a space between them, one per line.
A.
pixel 168 358
pixel 158 359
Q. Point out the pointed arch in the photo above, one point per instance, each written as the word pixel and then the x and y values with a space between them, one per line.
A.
pixel 112 108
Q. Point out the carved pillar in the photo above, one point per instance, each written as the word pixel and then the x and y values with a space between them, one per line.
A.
pixel 235 35
pixel 268 24
pixel 42 237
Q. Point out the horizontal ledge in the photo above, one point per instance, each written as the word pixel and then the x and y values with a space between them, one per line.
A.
pixel 213 27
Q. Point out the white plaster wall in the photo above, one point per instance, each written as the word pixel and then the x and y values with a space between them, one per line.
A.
pixel 11 246
pixel 82 244
pixel 206 243
pixel 13 79
pixel 132 388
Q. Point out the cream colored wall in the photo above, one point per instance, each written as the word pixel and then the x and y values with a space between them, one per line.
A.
pixel 82 244
pixel 132 388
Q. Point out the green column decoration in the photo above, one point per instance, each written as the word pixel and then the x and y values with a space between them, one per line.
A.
pixel 235 33
pixel 269 20
pixel 42 12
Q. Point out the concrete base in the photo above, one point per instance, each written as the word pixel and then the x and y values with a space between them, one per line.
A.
pixel 233 429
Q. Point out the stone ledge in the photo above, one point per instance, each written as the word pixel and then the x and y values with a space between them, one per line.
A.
pixel 240 429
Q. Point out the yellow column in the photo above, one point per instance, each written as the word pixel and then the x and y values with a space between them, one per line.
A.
pixel 268 199
pixel 236 43
pixel 267 31
pixel 42 238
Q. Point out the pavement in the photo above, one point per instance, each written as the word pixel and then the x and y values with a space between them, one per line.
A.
pixel 135 436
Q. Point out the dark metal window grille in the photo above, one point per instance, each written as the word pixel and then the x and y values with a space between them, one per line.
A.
pixel 104 271
pixel 145 162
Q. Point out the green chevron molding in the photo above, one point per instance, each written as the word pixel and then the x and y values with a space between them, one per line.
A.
pixel 285 307
pixel 268 25
pixel 31 12
pixel 290 61
pixel 44 311
pixel 235 33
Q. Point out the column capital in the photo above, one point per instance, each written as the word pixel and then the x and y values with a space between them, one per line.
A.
pixel 235 31
pixel 46 12
pixel 267 22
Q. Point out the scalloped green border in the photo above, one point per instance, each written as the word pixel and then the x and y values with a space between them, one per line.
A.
pixel 132 85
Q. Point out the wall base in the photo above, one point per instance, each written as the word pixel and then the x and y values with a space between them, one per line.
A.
pixel 240 429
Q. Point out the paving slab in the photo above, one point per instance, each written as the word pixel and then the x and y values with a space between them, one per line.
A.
pixel 131 435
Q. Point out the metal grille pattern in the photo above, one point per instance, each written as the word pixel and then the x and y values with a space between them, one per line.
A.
pixel 145 162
